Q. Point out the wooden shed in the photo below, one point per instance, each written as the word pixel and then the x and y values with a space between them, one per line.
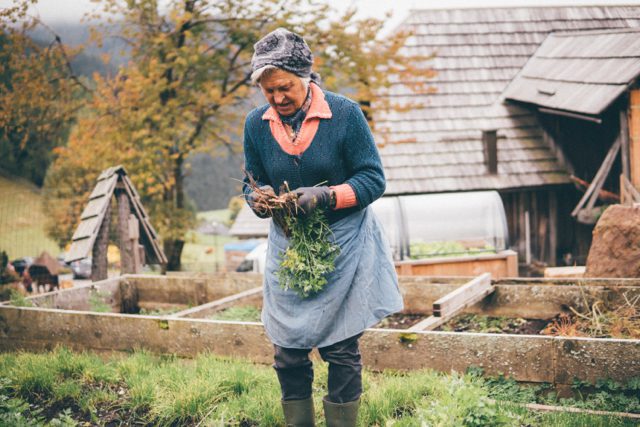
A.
pixel 463 137
pixel 139 242
pixel 583 85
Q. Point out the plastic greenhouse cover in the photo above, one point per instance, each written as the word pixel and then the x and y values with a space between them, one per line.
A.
pixel 472 219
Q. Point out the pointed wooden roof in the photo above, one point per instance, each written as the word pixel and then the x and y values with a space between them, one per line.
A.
pixel 94 213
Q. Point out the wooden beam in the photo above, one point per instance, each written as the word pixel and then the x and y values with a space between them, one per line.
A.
pixel 208 309
pixel 124 210
pixel 464 296
pixel 429 324
pixel 624 142
pixel 631 195
pixel 553 227
pixel 634 137
pixel 99 262
pixel 450 305
pixel 590 196
pixel 524 358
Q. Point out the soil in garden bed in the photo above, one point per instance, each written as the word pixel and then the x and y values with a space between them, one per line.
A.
pixel 400 321
pixel 494 325
pixel 470 323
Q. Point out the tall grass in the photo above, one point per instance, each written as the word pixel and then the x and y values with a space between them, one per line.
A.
pixel 142 388
pixel 22 220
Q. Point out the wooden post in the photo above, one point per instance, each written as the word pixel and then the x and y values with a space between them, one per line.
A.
pixel 133 246
pixel 553 228
pixel 634 131
pixel 624 143
pixel 124 210
pixel 99 262
pixel 129 298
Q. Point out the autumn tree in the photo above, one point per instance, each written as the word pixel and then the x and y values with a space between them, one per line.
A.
pixel 39 94
pixel 186 89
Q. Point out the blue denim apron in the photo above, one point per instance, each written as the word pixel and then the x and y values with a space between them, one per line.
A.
pixel 361 291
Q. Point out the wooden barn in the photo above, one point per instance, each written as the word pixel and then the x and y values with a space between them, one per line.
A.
pixel 519 105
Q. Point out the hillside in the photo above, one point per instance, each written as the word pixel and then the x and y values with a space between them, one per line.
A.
pixel 22 220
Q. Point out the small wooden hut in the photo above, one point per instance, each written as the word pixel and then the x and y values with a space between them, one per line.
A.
pixel 139 242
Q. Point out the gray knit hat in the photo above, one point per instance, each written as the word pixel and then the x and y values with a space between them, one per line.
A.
pixel 285 50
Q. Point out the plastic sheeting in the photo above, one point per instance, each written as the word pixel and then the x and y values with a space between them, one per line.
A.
pixel 446 224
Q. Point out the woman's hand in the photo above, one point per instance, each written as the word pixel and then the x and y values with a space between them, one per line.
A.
pixel 257 201
pixel 312 198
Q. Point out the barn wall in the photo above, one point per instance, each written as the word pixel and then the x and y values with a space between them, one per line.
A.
pixel 554 233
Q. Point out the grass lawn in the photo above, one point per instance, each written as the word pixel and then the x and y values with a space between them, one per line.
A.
pixel 66 388
pixel 22 220
pixel 205 253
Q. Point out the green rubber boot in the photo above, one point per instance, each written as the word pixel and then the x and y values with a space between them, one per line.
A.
pixel 341 414
pixel 298 413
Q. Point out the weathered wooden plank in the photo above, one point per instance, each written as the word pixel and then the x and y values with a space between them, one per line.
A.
pixel 570 271
pixel 464 296
pixel 104 187
pixel 593 359
pixel 96 207
pixel 250 297
pixel 447 307
pixel 30 329
pixel 524 358
pixel 78 298
pixel 499 265
pixel 538 300
pixel 80 249
pixel 590 196
pixel 184 289
pixel 429 324
pixel 86 228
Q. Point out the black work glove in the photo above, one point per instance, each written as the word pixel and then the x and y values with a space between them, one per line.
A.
pixel 312 198
pixel 255 199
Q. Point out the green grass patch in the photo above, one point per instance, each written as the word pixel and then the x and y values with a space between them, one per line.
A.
pixel 419 250
pixel 243 313
pixel 204 253
pixel 66 388
pixel 22 220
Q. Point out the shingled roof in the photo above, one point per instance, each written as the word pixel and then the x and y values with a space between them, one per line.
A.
pixel 95 211
pixel 581 72
pixel 438 147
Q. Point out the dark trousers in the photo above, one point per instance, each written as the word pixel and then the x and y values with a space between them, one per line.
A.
pixel 295 371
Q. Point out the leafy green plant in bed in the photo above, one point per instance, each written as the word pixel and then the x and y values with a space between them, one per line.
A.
pixel 246 313
pixel 420 250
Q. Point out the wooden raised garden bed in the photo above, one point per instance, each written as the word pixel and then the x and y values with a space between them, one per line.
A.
pixel 501 264
pixel 71 318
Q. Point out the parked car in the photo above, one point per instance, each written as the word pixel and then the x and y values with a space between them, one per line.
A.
pixel 255 260
pixel 81 269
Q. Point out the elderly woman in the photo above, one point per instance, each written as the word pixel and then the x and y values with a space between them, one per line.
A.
pixel 306 136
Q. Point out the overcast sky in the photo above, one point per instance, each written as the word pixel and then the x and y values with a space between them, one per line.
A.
pixel 52 11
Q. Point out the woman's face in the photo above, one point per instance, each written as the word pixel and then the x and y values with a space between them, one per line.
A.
pixel 283 90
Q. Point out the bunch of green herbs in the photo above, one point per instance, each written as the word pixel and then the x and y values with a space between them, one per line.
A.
pixel 310 256
pixel 311 253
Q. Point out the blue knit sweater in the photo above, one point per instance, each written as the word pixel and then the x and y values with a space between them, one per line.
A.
pixel 342 151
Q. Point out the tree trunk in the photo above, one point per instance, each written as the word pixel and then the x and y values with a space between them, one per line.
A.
pixel 173 251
